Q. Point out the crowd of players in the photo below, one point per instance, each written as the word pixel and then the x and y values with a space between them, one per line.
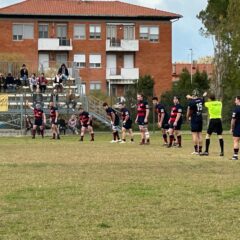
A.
pixel 170 124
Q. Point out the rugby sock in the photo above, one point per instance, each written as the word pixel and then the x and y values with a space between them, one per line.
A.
pixel 221 142
pixel 196 148
pixel 42 132
pixel 92 136
pixel 81 138
pixel 114 136
pixel 132 140
pixel 54 136
pixel 33 133
pixel 207 145
pixel 165 138
pixel 124 140
pixel 179 138
pixel 171 139
pixel 143 141
pixel 236 150
pixel 200 149
pixel 117 135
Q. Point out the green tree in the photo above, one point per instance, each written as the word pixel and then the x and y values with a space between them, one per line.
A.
pixel 145 85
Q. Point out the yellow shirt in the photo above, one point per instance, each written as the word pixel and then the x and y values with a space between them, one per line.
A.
pixel 214 109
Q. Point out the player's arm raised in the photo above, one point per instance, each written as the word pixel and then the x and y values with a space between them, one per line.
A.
pixel 29 105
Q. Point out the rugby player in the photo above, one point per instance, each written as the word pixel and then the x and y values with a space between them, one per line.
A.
pixel 54 120
pixel 86 124
pixel 112 115
pixel 142 119
pixel 235 128
pixel 39 119
pixel 127 122
pixel 162 118
pixel 175 123
pixel 194 115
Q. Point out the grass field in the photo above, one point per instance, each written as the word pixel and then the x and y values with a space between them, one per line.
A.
pixel 71 190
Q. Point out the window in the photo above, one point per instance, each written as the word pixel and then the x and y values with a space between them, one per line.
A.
pixel 43 31
pixel 79 31
pixel 22 31
pixel 95 85
pixel 111 32
pixel 95 31
pixel 129 33
pixel 95 61
pixel 80 60
pixel 150 33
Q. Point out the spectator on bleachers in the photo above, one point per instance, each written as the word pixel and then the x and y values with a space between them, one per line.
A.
pixel 2 82
pixel 24 75
pixel 63 71
pixel 54 97
pixel 18 82
pixel 71 100
pixel 37 97
pixel 58 83
pixel 42 82
pixel 10 83
pixel 33 82
pixel 72 124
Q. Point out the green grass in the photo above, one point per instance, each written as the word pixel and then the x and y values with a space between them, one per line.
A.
pixel 71 190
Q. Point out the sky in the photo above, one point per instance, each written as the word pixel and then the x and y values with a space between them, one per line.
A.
pixel 186 33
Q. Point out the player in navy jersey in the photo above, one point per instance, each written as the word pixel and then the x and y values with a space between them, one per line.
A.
pixel 194 115
pixel 112 115
pixel 127 122
pixel 162 118
pixel 54 120
pixel 175 122
pixel 235 128
pixel 39 119
pixel 142 119
pixel 86 124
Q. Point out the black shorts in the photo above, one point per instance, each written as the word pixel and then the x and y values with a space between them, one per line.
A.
pixel 178 127
pixel 141 122
pixel 128 125
pixel 196 126
pixel 165 126
pixel 236 131
pixel 215 126
pixel 38 122
pixel 53 121
pixel 87 125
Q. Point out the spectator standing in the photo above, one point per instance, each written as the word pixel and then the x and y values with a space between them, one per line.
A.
pixel 2 82
pixel 71 100
pixel 24 75
pixel 42 82
pixel 33 82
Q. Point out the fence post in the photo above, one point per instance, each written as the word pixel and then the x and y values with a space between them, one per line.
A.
pixel 21 110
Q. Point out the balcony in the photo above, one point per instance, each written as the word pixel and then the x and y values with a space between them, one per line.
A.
pixel 122 45
pixel 123 75
pixel 54 44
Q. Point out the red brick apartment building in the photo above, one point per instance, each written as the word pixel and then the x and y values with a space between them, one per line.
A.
pixel 177 69
pixel 113 43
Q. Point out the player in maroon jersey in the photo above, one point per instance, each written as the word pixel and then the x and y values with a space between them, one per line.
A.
pixel 142 119
pixel 175 122
pixel 86 124
pixel 39 119
pixel 54 120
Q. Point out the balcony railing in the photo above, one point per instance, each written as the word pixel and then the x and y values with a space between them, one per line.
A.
pixel 122 74
pixel 122 45
pixel 54 44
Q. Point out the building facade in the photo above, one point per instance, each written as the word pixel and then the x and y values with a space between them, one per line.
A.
pixel 112 43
